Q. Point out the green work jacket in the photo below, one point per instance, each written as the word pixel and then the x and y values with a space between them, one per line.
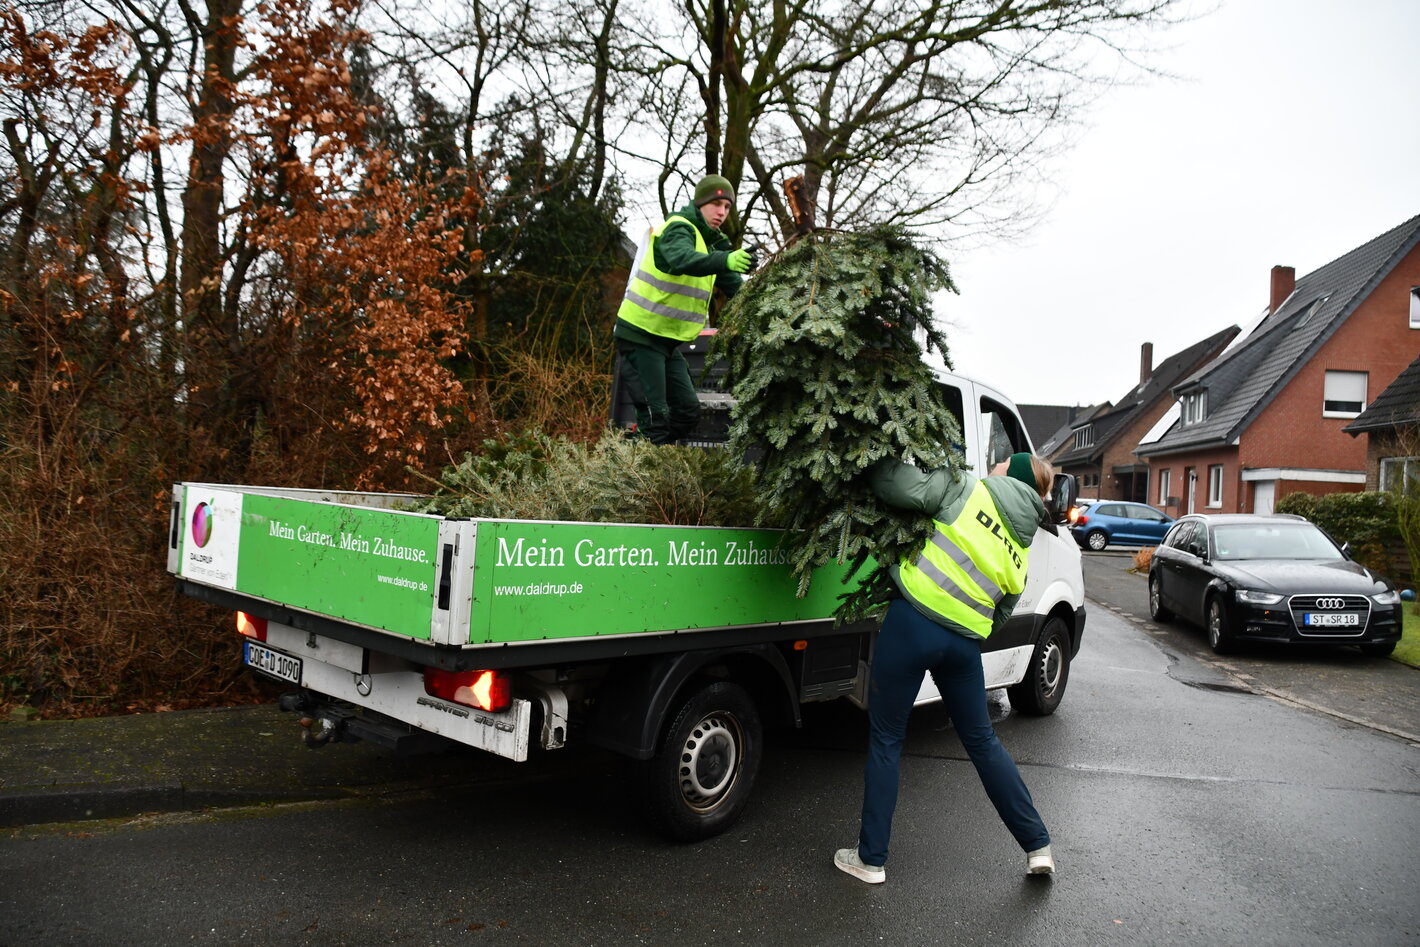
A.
pixel 969 577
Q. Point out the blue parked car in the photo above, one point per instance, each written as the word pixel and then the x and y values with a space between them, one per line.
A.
pixel 1121 523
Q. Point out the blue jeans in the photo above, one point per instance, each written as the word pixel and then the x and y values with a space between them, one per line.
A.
pixel 910 644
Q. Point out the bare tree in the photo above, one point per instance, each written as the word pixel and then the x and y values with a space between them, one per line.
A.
pixel 922 113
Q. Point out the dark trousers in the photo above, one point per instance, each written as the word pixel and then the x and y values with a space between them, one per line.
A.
pixel 909 645
pixel 658 379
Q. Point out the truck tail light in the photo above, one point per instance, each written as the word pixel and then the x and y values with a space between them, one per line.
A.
pixel 486 690
pixel 251 626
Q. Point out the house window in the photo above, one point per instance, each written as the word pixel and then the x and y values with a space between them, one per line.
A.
pixel 1215 485
pixel 1400 473
pixel 1085 436
pixel 1345 395
pixel 1194 406
pixel 1164 487
pixel 1415 307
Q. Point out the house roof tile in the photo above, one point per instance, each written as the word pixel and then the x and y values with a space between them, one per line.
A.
pixel 1398 404
pixel 1244 380
pixel 1111 423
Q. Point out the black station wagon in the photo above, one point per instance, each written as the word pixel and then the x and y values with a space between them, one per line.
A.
pixel 1253 577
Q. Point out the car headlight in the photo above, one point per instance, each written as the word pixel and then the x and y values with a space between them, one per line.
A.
pixel 1388 597
pixel 1253 597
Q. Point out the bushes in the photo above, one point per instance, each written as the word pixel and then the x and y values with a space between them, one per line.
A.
pixel 1369 522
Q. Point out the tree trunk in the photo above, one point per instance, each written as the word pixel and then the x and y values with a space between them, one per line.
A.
pixel 211 345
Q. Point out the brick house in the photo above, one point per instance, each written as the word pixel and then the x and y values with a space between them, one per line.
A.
pixel 1391 424
pixel 1266 417
pixel 1099 450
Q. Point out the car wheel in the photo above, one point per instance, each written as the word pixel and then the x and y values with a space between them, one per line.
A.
pixel 700 779
pixel 1372 649
pixel 1219 636
pixel 1041 690
pixel 1096 539
pixel 1157 611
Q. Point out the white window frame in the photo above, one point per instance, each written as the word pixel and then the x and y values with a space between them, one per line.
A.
pixel 1415 307
pixel 1085 436
pixel 1408 468
pixel 1164 486
pixel 1338 383
pixel 1215 485
pixel 1193 407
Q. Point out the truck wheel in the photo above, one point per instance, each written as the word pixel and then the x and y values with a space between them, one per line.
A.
pixel 1039 693
pixel 698 782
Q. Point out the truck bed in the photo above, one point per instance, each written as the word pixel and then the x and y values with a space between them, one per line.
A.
pixel 363 566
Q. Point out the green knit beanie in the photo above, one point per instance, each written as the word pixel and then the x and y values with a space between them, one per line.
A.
pixel 1019 468
pixel 712 187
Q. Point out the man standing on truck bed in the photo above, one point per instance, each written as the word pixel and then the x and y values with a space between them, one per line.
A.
pixel 667 303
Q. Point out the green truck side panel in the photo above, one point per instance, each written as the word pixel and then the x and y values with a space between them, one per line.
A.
pixel 370 566
pixel 536 581
pixel 531 581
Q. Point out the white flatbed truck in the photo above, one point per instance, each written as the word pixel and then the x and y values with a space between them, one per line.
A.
pixel 670 645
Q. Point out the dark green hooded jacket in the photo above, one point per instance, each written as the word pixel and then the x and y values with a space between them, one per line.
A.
pixel 941 494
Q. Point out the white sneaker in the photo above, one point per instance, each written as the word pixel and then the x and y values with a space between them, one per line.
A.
pixel 1040 862
pixel 847 860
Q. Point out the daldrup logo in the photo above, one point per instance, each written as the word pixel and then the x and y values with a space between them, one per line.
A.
pixel 202 524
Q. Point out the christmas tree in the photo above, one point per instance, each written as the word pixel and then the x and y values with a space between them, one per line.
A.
pixel 824 348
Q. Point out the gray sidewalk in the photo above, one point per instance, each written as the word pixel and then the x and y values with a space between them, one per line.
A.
pixel 108 767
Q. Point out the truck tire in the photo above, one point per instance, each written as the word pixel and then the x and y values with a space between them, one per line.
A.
pixel 700 779
pixel 1040 692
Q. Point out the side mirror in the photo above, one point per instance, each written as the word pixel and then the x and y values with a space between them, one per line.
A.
pixel 1063 493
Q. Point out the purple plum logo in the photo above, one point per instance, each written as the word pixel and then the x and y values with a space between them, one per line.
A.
pixel 202 524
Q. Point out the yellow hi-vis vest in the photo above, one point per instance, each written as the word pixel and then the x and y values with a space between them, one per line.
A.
pixel 675 307
pixel 968 566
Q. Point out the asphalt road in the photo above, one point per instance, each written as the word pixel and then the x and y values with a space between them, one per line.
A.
pixel 1182 813
pixel 1374 692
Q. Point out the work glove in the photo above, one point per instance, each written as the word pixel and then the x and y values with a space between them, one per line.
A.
pixel 740 261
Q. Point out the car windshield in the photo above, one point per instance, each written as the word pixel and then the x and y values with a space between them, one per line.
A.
pixel 1273 541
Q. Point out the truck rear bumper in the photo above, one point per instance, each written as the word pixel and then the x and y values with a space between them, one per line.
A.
pixel 395 690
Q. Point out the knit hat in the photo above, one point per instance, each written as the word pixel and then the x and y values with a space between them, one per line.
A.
pixel 1019 468
pixel 712 187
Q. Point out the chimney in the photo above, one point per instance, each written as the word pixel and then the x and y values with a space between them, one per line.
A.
pixel 1146 361
pixel 1284 280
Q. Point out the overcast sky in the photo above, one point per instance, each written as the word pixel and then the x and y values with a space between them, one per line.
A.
pixel 1293 138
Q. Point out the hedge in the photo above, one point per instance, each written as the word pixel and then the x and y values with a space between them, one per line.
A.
pixel 1369 522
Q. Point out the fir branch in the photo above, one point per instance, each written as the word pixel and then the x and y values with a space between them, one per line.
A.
pixel 828 376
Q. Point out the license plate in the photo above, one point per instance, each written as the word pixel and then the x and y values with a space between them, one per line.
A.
pixel 1330 621
pixel 272 662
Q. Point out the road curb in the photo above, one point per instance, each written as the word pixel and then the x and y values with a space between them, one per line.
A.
pixel 18 809
pixel 1287 698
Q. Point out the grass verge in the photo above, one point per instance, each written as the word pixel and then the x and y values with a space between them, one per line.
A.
pixel 1408 651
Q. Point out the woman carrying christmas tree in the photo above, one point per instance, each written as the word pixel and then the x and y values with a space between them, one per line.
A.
pixel 667 303
pixel 962 585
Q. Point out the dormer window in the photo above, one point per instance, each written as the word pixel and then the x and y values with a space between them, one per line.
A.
pixel 1085 436
pixel 1310 311
pixel 1193 407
